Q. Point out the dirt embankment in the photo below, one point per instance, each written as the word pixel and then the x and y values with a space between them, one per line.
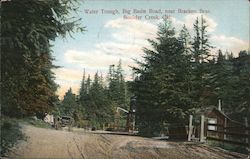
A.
pixel 47 143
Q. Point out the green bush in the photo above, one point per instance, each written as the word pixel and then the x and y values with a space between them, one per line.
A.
pixel 10 133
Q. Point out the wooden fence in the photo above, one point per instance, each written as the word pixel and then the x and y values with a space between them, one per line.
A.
pixel 229 131
pixel 239 135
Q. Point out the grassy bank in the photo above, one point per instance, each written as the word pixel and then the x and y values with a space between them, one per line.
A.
pixel 35 122
pixel 11 131
pixel 229 147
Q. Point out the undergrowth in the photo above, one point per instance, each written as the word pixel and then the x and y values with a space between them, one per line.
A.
pixel 10 133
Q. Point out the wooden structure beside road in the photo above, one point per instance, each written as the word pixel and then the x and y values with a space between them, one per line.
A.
pixel 213 125
pixel 220 127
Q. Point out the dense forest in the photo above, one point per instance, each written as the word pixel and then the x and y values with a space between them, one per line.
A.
pixel 98 99
pixel 180 75
pixel 27 29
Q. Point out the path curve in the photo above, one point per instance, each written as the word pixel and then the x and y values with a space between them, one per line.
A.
pixel 49 143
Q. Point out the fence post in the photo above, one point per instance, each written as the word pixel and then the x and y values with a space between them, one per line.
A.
pixel 246 131
pixel 225 129
pixel 190 127
pixel 202 129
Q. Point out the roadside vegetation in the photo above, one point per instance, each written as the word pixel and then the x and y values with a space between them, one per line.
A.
pixel 229 147
pixel 27 81
pixel 10 133
pixel 35 122
pixel 96 103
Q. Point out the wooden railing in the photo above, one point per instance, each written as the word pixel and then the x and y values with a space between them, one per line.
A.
pixel 239 135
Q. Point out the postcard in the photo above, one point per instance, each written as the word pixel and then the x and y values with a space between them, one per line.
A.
pixel 119 79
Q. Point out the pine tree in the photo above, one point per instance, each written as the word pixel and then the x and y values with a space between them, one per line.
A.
pixel 228 81
pixel 27 27
pixel 88 83
pixel 97 106
pixel 241 103
pixel 184 37
pixel 161 84
pixel 117 86
pixel 200 58
pixel 69 104
pixel 220 80
pixel 82 90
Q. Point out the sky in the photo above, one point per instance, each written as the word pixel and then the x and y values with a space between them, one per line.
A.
pixel 111 36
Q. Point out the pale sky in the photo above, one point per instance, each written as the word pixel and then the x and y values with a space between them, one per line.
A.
pixel 110 37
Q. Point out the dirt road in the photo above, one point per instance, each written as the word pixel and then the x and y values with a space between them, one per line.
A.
pixel 48 143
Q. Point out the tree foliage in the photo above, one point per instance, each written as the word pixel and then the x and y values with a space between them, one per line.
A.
pixel 229 79
pixel 117 88
pixel 179 77
pixel 100 98
pixel 69 103
pixel 93 98
pixel 162 84
pixel 27 27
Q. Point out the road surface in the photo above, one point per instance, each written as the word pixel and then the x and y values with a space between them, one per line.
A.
pixel 49 143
